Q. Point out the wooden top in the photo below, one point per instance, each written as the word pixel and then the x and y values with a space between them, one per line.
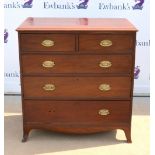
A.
pixel 76 24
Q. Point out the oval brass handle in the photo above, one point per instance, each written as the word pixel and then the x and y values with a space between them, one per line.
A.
pixel 104 87
pixel 48 64
pixel 47 43
pixel 103 112
pixel 105 64
pixel 49 87
pixel 106 43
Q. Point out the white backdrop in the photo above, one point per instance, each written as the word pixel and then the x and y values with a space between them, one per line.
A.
pixel 136 11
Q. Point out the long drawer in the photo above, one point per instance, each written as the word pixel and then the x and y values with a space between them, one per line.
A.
pixel 48 42
pixel 105 43
pixel 77 87
pixel 77 112
pixel 42 63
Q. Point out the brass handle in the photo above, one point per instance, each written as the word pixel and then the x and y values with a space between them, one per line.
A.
pixel 103 112
pixel 105 64
pixel 47 43
pixel 49 87
pixel 48 64
pixel 106 43
pixel 104 87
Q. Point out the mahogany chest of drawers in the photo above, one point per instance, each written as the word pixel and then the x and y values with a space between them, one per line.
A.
pixel 77 74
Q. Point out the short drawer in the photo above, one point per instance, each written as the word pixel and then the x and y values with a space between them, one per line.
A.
pixel 77 87
pixel 106 43
pixel 47 42
pixel 77 112
pixel 76 63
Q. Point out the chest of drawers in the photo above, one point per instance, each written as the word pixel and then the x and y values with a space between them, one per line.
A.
pixel 77 74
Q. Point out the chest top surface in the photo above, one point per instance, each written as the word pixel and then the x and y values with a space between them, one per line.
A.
pixel 76 24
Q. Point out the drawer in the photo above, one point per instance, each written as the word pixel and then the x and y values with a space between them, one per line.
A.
pixel 77 87
pixel 106 43
pixel 76 112
pixel 47 42
pixel 76 63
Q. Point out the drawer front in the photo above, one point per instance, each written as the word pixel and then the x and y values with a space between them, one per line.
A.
pixel 77 112
pixel 48 42
pixel 76 63
pixel 77 87
pixel 106 43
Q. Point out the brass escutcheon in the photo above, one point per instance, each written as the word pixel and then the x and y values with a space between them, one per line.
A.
pixel 49 87
pixel 106 43
pixel 105 64
pixel 103 112
pixel 48 64
pixel 47 43
pixel 104 87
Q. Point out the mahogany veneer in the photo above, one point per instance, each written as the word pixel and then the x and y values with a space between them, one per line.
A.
pixel 70 63
pixel 77 87
pixel 32 42
pixel 77 74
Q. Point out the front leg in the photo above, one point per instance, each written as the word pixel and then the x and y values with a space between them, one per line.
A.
pixel 25 134
pixel 127 132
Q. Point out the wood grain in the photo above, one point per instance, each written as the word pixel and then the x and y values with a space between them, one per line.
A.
pixel 77 87
pixel 120 43
pixel 76 112
pixel 32 42
pixel 76 24
pixel 32 64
